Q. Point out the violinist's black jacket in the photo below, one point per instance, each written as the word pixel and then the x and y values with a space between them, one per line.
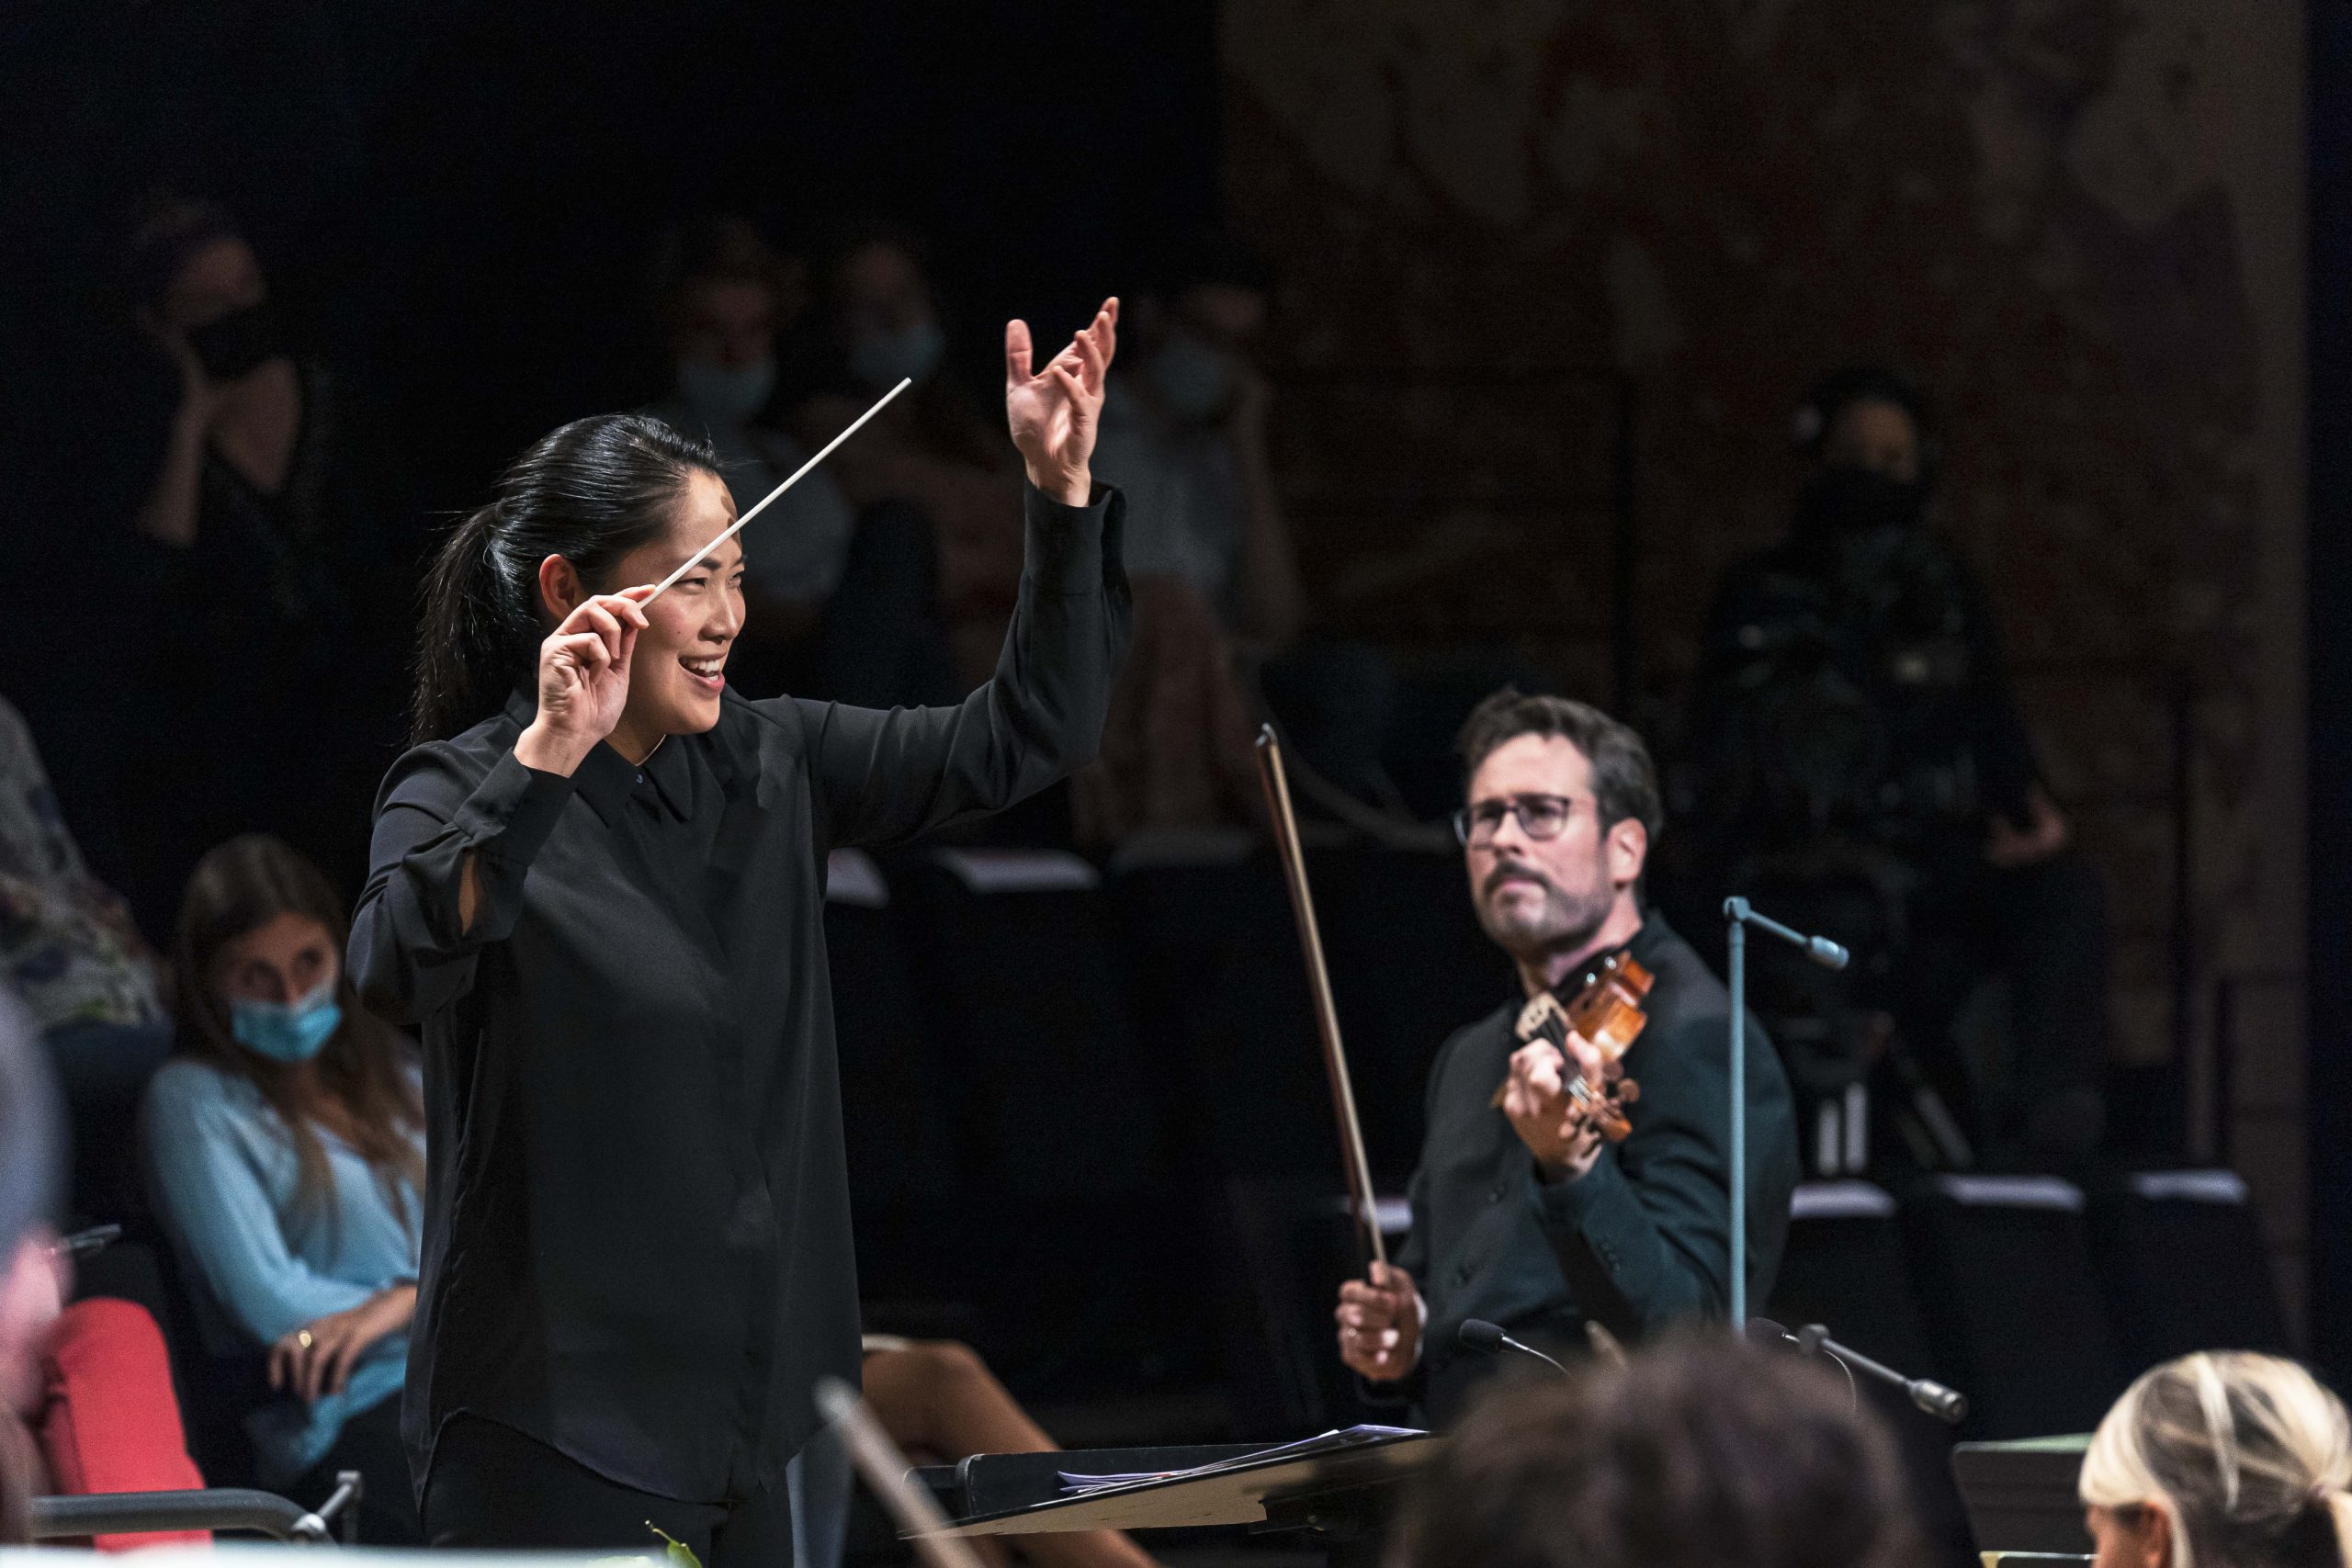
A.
pixel 636 1232
pixel 1641 1240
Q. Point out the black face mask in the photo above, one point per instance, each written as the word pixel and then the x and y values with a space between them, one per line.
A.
pixel 239 340
pixel 1859 500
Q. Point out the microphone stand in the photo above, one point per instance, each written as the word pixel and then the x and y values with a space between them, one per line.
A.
pixel 1737 917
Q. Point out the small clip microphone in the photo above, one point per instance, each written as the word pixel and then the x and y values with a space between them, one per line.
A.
pixel 1489 1339
pixel 1934 1398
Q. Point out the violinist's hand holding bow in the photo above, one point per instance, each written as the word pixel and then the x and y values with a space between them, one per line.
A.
pixel 1380 1324
pixel 1055 412
pixel 1547 1119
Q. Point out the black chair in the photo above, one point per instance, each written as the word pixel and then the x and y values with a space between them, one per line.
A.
pixel 901 1149
pixel 1220 1004
pixel 1293 1243
pixel 1845 1266
pixel 1068 1235
pixel 2013 1309
pixel 1409 966
pixel 2181 1258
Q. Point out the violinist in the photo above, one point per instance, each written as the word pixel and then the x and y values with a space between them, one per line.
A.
pixel 1524 1213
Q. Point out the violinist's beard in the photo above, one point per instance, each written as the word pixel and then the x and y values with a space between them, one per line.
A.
pixel 1565 917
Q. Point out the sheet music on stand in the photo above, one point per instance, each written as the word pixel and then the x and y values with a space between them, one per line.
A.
pixel 1335 1441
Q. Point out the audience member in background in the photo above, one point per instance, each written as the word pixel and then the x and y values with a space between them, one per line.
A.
pixel 277 575
pixel 70 951
pixel 2225 1459
pixel 1852 710
pixel 1184 433
pixel 1697 1453
pixel 286 1143
pixel 1523 1215
pixel 837 604
pixel 933 449
pixel 1215 581
pixel 86 1402
pixel 31 1167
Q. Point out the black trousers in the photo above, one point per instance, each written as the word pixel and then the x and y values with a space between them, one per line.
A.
pixel 492 1488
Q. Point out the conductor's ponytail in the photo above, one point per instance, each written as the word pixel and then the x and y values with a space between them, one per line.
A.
pixel 591 492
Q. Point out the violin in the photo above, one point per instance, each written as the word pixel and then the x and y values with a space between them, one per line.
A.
pixel 1606 1010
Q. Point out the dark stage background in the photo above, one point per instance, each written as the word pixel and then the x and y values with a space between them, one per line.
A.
pixel 1549 281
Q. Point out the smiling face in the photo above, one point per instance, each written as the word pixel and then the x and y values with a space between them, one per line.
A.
pixel 281 961
pixel 679 668
pixel 1540 897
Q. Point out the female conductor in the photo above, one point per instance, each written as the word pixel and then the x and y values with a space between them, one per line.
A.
pixel 596 887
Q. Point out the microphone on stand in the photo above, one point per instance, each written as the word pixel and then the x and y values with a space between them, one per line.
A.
pixel 1943 1404
pixel 1738 915
pixel 1489 1339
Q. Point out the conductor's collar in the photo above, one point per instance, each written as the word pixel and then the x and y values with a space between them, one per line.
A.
pixel 606 779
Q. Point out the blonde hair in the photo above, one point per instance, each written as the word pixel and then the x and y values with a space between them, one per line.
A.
pixel 2247 1456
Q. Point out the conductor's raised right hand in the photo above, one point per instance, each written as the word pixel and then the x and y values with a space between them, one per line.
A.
pixel 582 681
pixel 1380 1324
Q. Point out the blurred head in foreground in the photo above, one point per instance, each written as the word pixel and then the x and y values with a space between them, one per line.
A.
pixel 1699 1452
pixel 2225 1459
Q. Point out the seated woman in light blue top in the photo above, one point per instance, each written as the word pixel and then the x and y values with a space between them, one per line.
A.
pixel 285 1142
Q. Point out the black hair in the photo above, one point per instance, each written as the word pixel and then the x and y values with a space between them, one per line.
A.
pixel 1624 781
pixel 1841 389
pixel 591 492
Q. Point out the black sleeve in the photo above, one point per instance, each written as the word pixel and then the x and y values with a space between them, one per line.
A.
pixel 2005 752
pixel 883 777
pixel 411 955
pixel 1644 1236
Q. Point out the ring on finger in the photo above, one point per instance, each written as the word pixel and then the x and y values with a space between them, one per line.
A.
pixel 304 1339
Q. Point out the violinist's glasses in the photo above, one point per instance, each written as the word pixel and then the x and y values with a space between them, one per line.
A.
pixel 1539 817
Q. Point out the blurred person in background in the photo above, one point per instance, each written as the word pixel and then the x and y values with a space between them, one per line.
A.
pixel 275 571
pixel 287 1147
pixel 2224 1458
pixel 86 1398
pixel 32 1165
pixel 840 603
pixel 72 955
pixel 1852 709
pixel 933 450
pixel 1699 1452
pixel 1217 591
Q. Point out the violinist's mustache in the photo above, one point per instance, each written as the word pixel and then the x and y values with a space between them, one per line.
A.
pixel 1509 869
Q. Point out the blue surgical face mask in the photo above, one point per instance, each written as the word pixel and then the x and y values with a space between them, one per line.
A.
pixel 726 396
pixel 880 360
pixel 1191 379
pixel 288 1032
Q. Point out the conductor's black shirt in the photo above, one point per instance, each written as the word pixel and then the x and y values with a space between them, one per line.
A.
pixel 637 1237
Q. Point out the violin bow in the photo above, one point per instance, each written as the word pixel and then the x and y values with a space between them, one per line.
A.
pixel 1276 780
